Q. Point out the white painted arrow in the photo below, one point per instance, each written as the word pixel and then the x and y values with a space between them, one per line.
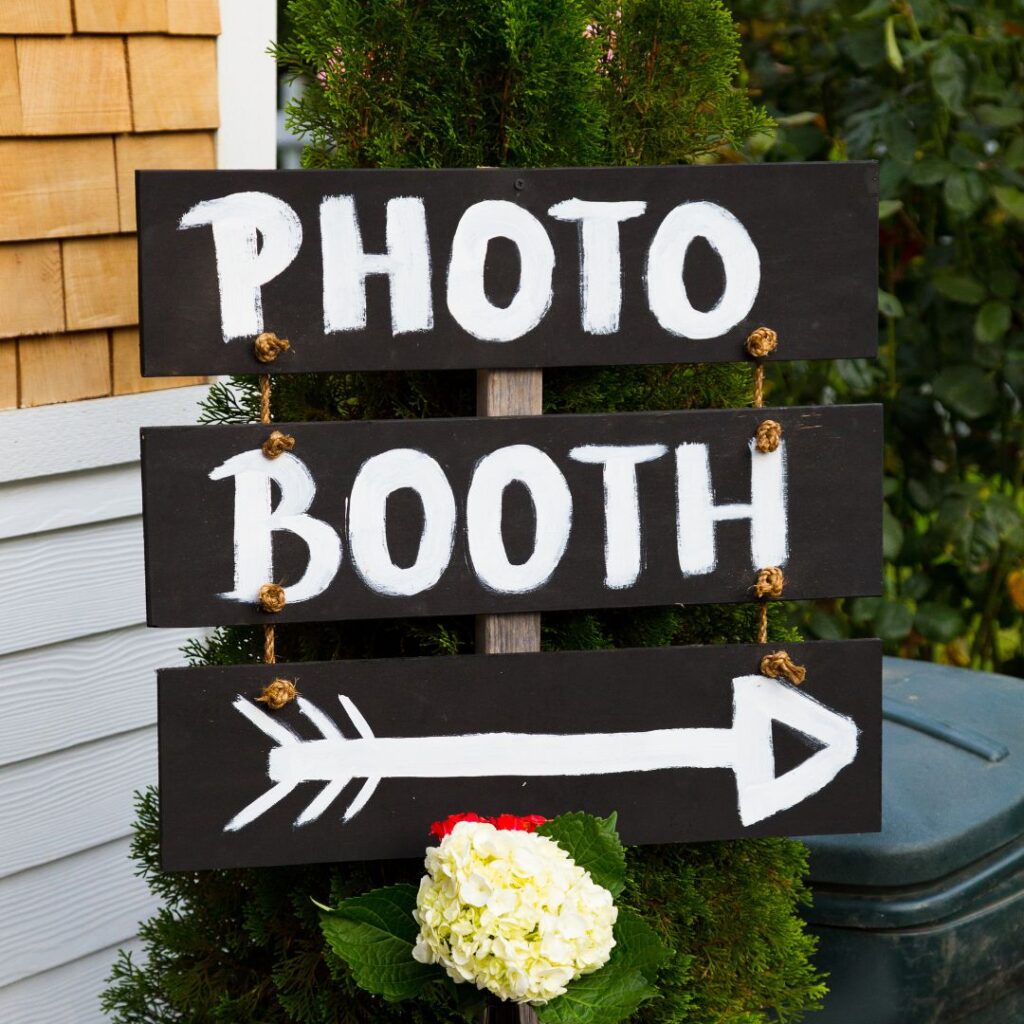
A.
pixel 746 748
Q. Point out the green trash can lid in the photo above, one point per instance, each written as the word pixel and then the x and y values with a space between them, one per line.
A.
pixel 952 779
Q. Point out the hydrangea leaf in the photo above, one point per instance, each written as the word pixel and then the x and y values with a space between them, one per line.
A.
pixel 592 843
pixel 374 934
pixel 613 993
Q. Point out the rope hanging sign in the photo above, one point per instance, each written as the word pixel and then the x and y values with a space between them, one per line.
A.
pixel 272 597
pixel 510 514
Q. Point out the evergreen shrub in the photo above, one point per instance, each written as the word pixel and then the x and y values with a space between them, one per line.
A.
pixel 396 83
pixel 934 91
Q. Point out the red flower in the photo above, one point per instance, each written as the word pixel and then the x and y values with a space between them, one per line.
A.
pixel 505 822
pixel 513 823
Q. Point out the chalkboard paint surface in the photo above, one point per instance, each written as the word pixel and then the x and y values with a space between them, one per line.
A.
pixel 686 743
pixel 375 519
pixel 374 269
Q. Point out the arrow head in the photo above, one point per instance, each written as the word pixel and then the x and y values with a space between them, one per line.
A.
pixel 758 702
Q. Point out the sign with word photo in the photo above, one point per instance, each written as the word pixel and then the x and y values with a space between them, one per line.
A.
pixel 415 269
pixel 685 743
pixel 369 519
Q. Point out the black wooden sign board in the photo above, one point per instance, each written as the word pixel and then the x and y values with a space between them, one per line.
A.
pixel 686 743
pixel 376 519
pixel 408 270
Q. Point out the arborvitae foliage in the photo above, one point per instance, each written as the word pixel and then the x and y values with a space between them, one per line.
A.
pixel 487 82
pixel 668 67
pixel 456 83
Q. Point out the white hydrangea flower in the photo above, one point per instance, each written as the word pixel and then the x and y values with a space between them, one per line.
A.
pixel 511 912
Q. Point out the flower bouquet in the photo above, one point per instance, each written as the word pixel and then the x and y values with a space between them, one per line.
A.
pixel 517 909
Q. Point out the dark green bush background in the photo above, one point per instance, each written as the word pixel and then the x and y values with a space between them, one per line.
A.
pixel 934 92
pixel 466 83
pixel 931 90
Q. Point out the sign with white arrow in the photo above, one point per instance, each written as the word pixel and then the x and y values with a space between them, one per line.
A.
pixel 685 743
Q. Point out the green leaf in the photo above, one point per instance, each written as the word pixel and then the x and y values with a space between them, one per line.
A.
pixel 873 10
pixel 374 934
pixel 1010 199
pixel 959 287
pixel 892 534
pixel 965 157
pixel 899 138
pixel 893 620
pixel 930 171
pixel 916 586
pixel 825 626
pixel 863 609
pixel 1014 155
pixel 613 993
pixel 1000 117
pixel 949 80
pixel 889 305
pixel 887 207
pixel 964 192
pixel 938 623
pixel 992 322
pixel 919 494
pixel 1003 281
pixel 593 843
pixel 892 47
pixel 967 390
pixel 805 117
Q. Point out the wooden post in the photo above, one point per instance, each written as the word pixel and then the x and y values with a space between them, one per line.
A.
pixel 509 393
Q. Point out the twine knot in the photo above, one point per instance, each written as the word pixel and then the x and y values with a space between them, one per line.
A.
pixel 272 598
pixel 268 346
pixel 761 342
pixel 779 665
pixel 767 438
pixel 770 582
pixel 277 693
pixel 277 444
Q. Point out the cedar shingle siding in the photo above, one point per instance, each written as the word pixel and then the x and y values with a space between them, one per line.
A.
pixel 90 91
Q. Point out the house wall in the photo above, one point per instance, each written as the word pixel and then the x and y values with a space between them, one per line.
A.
pixel 89 90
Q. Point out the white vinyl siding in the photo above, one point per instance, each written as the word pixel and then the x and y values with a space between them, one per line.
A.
pixel 78 728
pixel 78 733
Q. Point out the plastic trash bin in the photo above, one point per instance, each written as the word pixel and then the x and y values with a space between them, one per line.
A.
pixel 924 922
